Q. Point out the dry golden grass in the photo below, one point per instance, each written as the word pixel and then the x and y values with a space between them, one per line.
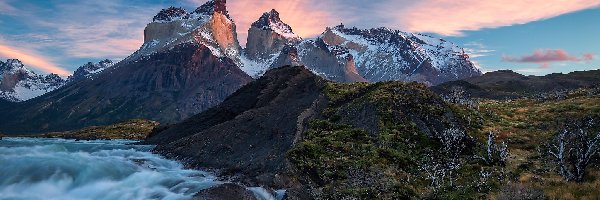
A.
pixel 527 125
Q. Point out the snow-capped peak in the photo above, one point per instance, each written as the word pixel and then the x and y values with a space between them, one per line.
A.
pixel 17 83
pixel 271 21
pixel 382 54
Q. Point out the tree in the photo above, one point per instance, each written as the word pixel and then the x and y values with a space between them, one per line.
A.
pixel 574 147
pixel 495 154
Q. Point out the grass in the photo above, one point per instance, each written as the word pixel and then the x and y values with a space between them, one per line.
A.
pixel 342 158
pixel 527 125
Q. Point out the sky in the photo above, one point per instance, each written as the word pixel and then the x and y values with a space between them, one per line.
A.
pixel 533 37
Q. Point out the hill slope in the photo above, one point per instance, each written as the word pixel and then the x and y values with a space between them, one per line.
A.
pixel 278 130
pixel 508 84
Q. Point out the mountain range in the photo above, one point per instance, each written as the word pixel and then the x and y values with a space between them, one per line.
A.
pixel 191 61
pixel 507 84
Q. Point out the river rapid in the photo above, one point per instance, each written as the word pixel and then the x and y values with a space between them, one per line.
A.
pixel 34 168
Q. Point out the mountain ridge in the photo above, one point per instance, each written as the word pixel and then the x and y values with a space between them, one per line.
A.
pixel 507 84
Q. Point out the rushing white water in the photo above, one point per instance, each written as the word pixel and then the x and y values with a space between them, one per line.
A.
pixel 68 169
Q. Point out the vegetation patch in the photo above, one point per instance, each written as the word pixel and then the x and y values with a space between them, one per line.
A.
pixel 136 129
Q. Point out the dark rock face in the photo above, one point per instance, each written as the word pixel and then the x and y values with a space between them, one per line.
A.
pixel 252 130
pixel 170 14
pixel 212 6
pixel 227 191
pixel 329 63
pixel 166 87
pixel 287 57
pixel 268 18
pixel 506 84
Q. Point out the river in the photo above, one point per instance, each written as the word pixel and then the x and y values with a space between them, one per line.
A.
pixel 34 168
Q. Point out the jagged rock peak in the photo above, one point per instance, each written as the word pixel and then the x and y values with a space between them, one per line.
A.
pixel 212 6
pixel 271 21
pixel 267 19
pixel 170 14
pixel 11 64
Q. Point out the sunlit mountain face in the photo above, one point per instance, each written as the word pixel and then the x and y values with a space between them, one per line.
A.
pixel 299 99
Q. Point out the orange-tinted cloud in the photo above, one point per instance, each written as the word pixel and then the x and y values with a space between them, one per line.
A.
pixel 32 59
pixel 546 56
pixel 452 17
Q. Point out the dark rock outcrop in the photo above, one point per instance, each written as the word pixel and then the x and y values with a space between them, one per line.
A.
pixel 166 87
pixel 212 6
pixel 171 13
pixel 287 57
pixel 227 191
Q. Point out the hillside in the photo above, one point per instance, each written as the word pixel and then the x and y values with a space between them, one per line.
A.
pixel 291 129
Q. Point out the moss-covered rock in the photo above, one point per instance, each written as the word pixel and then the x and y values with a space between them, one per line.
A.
pixel 136 129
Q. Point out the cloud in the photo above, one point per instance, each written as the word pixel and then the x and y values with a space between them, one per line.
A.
pixel 547 56
pixel 32 59
pixel 445 17
pixel 75 30
pixel 477 49
pixel 6 8
pixel 452 17
pixel 97 29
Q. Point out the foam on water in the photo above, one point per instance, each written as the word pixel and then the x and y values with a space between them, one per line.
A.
pixel 67 169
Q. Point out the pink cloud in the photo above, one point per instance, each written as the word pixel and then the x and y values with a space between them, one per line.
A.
pixel 452 17
pixel 32 59
pixel 589 56
pixel 546 56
